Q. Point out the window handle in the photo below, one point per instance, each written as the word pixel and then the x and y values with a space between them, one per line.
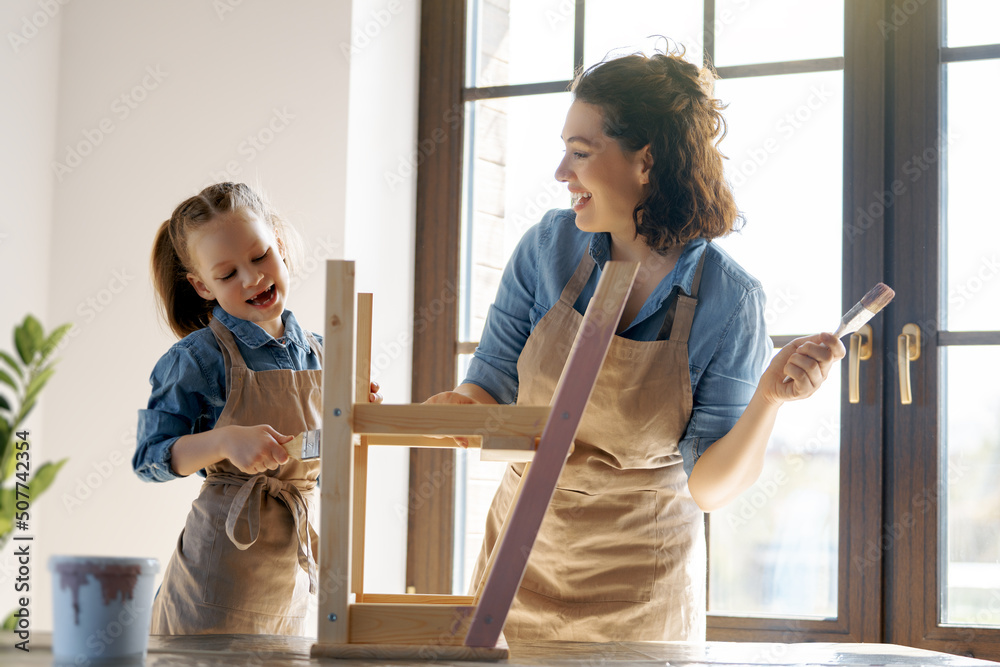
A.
pixel 861 350
pixel 907 350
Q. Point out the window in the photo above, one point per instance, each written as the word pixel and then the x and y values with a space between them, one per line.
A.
pixel 872 521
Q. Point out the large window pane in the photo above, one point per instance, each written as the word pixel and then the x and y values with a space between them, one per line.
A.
pixel 786 167
pixel 968 22
pixel 774 549
pixel 513 147
pixel 970 457
pixel 615 28
pixel 972 246
pixel 970 515
pixel 767 31
pixel 520 41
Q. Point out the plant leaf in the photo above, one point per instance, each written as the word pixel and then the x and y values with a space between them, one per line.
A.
pixel 12 362
pixel 27 338
pixel 7 505
pixel 34 328
pixel 4 405
pixel 9 463
pixel 5 430
pixel 36 382
pixel 22 414
pixel 7 379
pixel 10 623
pixel 53 339
pixel 44 477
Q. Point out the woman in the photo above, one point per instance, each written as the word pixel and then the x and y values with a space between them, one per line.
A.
pixel 680 415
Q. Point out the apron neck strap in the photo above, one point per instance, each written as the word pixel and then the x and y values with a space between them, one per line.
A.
pixel 580 277
pixel 314 345
pixel 680 314
pixel 230 353
pixel 696 283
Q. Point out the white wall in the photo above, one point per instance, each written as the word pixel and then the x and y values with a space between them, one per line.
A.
pixel 29 72
pixel 29 77
pixel 198 83
pixel 384 53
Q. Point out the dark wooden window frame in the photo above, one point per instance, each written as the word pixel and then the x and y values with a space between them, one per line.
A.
pixel 440 126
pixel 886 596
pixel 910 540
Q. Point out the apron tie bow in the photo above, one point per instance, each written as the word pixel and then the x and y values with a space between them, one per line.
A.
pixel 249 499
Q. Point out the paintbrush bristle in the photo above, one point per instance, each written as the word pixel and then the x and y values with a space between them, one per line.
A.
pixel 878 297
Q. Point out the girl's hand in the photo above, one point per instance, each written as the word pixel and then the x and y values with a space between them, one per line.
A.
pixel 374 396
pixel 806 361
pixel 254 449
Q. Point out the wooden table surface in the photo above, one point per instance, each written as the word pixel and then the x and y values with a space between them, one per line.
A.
pixel 226 650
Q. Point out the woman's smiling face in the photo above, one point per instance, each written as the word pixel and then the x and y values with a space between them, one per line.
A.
pixel 606 183
pixel 237 262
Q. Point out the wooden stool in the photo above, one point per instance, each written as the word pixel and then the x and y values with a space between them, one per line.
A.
pixel 451 627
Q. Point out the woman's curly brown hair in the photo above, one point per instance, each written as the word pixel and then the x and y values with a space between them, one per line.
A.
pixel 664 102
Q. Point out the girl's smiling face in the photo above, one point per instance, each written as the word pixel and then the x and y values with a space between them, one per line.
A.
pixel 605 182
pixel 237 262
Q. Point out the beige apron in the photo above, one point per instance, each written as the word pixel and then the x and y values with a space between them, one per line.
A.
pixel 246 559
pixel 621 552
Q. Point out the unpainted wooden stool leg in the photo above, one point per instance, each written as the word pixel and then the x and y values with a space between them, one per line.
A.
pixel 337 456
pixel 362 387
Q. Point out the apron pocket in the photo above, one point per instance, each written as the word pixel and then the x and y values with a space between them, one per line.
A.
pixel 595 548
pixel 263 578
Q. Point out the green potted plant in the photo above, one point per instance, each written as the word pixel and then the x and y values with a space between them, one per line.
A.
pixel 22 480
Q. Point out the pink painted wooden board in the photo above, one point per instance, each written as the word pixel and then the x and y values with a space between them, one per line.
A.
pixel 568 403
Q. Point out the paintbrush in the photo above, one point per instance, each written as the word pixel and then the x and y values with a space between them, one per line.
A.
pixel 877 298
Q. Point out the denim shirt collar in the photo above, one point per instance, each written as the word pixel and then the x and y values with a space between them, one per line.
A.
pixel 682 275
pixel 253 336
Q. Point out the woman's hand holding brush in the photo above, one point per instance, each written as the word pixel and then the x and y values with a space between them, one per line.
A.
pixel 802 369
pixel 799 369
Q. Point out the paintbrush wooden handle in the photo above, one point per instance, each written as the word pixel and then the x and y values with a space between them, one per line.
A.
pixel 294 447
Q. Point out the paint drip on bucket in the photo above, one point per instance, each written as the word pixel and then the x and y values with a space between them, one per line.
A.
pixel 115 580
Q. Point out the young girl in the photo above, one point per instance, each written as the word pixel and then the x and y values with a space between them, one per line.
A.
pixel 243 380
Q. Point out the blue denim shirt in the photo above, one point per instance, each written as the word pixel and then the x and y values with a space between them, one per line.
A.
pixel 728 347
pixel 189 385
